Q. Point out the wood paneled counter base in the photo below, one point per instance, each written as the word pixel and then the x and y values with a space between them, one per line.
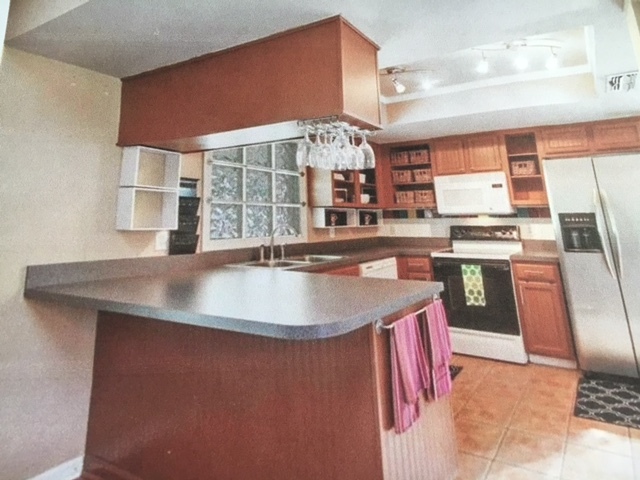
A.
pixel 175 401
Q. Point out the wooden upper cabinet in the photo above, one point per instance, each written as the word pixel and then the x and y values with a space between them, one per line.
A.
pixel 613 136
pixel 476 153
pixel 324 69
pixel 483 153
pixel 590 138
pixel 564 140
pixel 448 157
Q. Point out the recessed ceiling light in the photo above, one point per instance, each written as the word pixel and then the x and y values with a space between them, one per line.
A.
pixel 426 84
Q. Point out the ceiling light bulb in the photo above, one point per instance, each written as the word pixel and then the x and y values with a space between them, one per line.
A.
pixel 521 62
pixel 399 87
pixel 483 66
pixel 552 61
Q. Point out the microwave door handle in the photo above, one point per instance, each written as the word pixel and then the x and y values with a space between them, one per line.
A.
pixel 604 240
pixel 614 229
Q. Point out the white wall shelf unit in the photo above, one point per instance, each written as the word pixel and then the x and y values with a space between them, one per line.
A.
pixel 149 189
pixel 346 217
pixel 149 167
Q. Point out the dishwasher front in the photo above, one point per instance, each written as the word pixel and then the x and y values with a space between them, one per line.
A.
pixel 384 268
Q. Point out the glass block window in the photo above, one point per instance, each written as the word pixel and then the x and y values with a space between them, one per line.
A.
pixel 252 189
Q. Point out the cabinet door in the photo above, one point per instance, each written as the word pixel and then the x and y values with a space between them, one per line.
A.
pixel 544 319
pixel 350 270
pixel 484 153
pixel 415 268
pixel 610 137
pixel 565 141
pixel 448 157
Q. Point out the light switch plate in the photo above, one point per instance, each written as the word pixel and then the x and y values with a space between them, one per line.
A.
pixel 162 240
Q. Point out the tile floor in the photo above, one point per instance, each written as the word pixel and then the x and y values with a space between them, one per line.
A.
pixel 515 422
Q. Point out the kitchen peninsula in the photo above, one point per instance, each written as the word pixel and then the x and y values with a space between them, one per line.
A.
pixel 231 373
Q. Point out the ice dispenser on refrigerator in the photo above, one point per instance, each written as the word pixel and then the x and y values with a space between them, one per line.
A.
pixel 580 232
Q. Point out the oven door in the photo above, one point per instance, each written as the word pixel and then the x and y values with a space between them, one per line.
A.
pixel 480 298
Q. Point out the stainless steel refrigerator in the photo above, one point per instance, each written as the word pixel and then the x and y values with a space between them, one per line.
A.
pixel 595 208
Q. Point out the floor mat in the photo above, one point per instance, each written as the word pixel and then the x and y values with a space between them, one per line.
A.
pixel 607 400
pixel 454 370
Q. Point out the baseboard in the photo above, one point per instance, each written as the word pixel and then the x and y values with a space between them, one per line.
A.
pixel 69 470
pixel 553 362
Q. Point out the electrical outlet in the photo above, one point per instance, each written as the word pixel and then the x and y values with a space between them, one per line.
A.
pixel 332 232
pixel 162 240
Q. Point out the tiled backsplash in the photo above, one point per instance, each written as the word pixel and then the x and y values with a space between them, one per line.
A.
pixel 530 229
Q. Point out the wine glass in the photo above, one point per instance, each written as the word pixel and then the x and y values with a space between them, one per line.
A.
pixel 303 150
pixel 314 151
pixel 326 152
pixel 341 150
pixel 369 155
pixel 355 153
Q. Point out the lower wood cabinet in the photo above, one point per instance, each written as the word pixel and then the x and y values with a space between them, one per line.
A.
pixel 349 270
pixel 415 268
pixel 543 311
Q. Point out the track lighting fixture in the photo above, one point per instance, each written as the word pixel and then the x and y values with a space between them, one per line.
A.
pixel 521 62
pixel 521 48
pixel 483 66
pixel 552 62
pixel 399 87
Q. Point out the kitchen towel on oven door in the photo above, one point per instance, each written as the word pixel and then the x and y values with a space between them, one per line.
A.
pixel 473 285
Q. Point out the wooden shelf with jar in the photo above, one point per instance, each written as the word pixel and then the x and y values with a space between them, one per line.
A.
pixel 344 188
pixel 525 172
pixel 411 177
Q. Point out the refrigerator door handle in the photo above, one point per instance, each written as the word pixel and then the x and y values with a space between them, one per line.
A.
pixel 603 238
pixel 614 229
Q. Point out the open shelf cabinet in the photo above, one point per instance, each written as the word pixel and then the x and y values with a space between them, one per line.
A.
pixel 345 188
pixel 412 177
pixel 149 189
pixel 525 171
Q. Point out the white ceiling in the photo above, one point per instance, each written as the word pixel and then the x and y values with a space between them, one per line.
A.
pixel 125 37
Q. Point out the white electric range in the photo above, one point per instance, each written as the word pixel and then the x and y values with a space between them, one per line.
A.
pixel 479 295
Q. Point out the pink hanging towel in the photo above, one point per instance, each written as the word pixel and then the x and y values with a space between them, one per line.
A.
pixel 409 371
pixel 437 344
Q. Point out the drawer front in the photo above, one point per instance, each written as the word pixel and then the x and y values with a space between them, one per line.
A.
pixel 536 272
pixel 419 264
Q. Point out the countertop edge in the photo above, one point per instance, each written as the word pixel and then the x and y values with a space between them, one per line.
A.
pixel 284 332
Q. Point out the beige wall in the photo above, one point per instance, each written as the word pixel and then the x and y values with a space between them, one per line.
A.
pixel 59 169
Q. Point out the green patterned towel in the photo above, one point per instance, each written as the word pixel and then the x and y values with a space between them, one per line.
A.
pixel 473 285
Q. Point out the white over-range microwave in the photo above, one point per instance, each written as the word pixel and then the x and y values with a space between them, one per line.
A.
pixel 473 194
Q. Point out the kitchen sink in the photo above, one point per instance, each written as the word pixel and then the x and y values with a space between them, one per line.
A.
pixel 315 258
pixel 274 264
pixel 293 262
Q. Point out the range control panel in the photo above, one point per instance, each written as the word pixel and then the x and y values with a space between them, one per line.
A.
pixel 580 232
pixel 476 232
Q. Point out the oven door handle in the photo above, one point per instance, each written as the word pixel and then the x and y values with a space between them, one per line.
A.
pixel 484 264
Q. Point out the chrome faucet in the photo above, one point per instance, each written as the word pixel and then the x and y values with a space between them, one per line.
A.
pixel 279 228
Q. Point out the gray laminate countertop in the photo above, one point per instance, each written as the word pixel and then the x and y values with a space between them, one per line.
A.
pixel 274 303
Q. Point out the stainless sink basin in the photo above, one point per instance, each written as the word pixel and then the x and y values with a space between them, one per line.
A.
pixel 274 264
pixel 315 258
pixel 293 262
